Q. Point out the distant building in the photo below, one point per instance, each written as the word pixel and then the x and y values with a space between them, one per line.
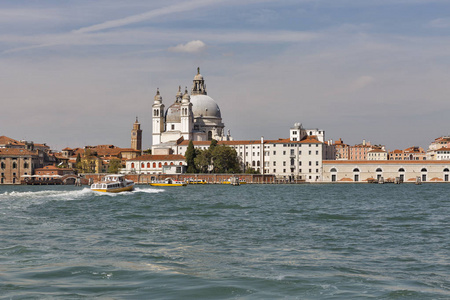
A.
pixel 377 154
pixel 15 163
pixel 136 136
pixel 155 164
pixel 439 149
pixel 407 171
pixel 411 153
pixel 341 149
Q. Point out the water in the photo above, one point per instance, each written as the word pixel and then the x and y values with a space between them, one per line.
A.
pixel 225 242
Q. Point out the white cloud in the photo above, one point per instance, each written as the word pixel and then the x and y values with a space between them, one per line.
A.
pixel 190 47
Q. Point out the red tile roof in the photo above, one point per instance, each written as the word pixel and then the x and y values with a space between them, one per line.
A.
pixel 17 152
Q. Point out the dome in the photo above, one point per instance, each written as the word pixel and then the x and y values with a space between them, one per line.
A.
pixel 198 77
pixel 204 106
pixel 173 113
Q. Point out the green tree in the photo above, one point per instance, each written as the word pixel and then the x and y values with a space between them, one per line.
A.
pixel 190 158
pixel 203 160
pixel 225 160
pixel 114 165
pixel 78 164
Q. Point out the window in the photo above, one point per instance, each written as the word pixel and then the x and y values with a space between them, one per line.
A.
pixel 274 152
pixel 142 165
pixel 154 165
pixel 317 163
pixel 292 151
pixel 300 152
pixel 423 170
pixel 401 170
pixel 310 163
pixel 355 170
pixel 284 164
pixel 14 165
pixel 284 152
pixel 148 165
pixel 274 163
pixel 132 165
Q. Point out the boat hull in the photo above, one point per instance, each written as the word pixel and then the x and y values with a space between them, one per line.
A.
pixel 167 184
pixel 115 190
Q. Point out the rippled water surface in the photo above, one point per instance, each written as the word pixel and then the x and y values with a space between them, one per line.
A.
pixel 225 242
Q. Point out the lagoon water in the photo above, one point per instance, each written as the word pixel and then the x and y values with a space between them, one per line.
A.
pixel 222 242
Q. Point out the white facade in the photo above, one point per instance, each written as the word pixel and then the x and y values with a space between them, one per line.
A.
pixel 286 158
pixel 154 164
pixel 408 171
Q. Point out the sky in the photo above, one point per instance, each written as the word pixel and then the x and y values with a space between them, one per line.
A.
pixel 79 72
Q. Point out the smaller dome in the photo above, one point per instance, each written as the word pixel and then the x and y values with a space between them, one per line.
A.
pixel 198 76
pixel 158 96
pixel 173 113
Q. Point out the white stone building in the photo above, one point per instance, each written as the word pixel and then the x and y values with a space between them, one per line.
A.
pixel 155 164
pixel 298 157
pixel 407 171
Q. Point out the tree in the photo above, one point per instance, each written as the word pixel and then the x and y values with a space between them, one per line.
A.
pixel 225 160
pixel 190 158
pixel 203 160
pixel 114 165
pixel 78 164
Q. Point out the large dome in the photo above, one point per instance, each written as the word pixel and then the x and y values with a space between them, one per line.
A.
pixel 204 106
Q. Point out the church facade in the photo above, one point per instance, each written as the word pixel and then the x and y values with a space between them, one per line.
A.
pixel 195 117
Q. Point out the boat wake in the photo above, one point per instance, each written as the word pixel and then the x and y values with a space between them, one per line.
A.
pixel 68 195
pixel 47 194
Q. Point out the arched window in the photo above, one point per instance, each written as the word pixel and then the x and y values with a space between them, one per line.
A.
pixel 446 170
pixel 3 165
pixel 379 170
pixel 181 163
pixel 209 135
pixel 423 170
pixel 14 165
pixel 165 163
pixel 401 170
pixel 333 170
pixel 160 165
pixel 171 163
pixel 132 165
pixel 142 165
pixel 355 170
pixel 148 165
pixel 154 165
pixel 25 165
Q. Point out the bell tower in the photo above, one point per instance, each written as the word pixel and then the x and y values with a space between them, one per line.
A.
pixel 136 136
pixel 187 117
pixel 158 119
pixel 199 86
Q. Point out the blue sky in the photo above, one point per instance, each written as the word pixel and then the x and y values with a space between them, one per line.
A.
pixel 75 73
